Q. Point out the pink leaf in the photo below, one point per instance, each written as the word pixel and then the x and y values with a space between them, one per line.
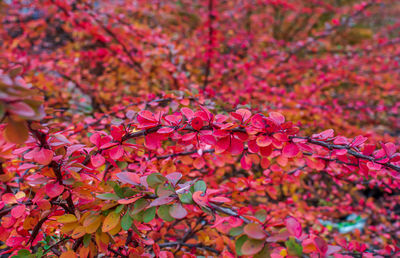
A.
pixel 161 201
pixel 177 211
pixel 18 211
pixel 43 156
pixel 117 153
pixel 293 226
pixel 129 178
pixel 278 118
pixel 165 130
pixel 8 198
pixel 290 150
pixel 264 140
pixel 255 231
pixel 199 199
pixel 187 112
pixel 54 190
pixel 97 160
pixel 174 178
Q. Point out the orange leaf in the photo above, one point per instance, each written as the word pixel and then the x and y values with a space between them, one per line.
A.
pixel 16 132
pixel 69 254
pixel 78 232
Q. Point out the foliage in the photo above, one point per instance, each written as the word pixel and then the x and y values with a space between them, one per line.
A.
pixel 199 128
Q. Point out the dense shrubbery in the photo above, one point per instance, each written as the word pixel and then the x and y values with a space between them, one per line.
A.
pixel 185 128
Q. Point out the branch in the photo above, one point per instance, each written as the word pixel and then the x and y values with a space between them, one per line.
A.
pixel 228 211
pixel 200 246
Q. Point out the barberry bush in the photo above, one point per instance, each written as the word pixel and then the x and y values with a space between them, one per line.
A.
pixel 185 128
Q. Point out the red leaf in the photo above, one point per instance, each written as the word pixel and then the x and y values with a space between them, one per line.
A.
pixel 197 123
pixel 97 160
pixel 236 147
pixel 390 149
pixel 290 150
pixel 321 245
pixel 264 140
pixel 9 198
pixel 253 146
pixel 293 226
pixel 255 231
pixel 199 199
pixel 187 112
pixel 246 162
pixel 18 211
pixel 21 109
pixel 117 152
pixel 266 151
pixel 219 199
pixel 244 113
pixel 54 190
pixel 222 145
pixel 129 178
pixel 252 246
pixel 165 130
pixel 324 135
pixel 43 156
pixel 333 249
pixel 146 115
pixel 117 132
pixel 278 118
pixel 359 140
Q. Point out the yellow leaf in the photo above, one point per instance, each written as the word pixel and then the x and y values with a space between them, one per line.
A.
pixel 69 254
pixel 108 206
pixel 68 227
pixel 92 223
pixel 115 230
pixel 67 218
pixel 16 132
pixel 84 216
pixel 110 221
pixel 78 232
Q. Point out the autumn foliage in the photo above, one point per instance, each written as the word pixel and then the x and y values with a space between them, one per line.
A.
pixel 200 128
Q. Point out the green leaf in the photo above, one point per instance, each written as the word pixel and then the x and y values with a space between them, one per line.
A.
pixel 186 198
pixel 107 196
pixel 138 216
pixel 2 110
pixel 139 205
pixel 23 254
pixel 263 253
pixel 122 164
pixel 149 214
pixel 126 221
pixel 239 243
pixel 261 215
pixel 165 190
pixel 86 239
pixel 119 191
pixel 119 208
pixel 293 247
pixel 128 192
pixel 236 231
pixel 155 179
pixel 163 213
pixel 200 186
